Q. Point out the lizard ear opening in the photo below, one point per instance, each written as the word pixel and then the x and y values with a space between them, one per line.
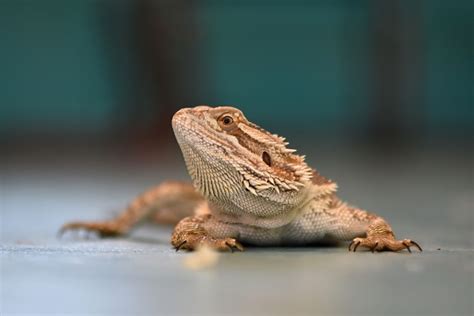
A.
pixel 266 158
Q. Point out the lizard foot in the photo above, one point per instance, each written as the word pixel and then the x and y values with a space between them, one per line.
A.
pixel 193 241
pixel 190 234
pixel 103 229
pixel 381 243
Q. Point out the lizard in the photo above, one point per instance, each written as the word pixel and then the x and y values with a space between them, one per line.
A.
pixel 248 188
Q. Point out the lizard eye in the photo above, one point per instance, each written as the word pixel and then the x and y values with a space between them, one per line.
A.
pixel 227 120
pixel 266 158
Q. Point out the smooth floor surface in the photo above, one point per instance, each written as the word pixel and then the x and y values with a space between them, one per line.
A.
pixel 424 195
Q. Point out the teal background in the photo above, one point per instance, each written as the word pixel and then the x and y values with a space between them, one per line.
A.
pixel 303 63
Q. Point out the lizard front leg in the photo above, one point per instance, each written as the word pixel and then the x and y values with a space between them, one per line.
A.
pixel 365 229
pixel 191 233
pixel 329 219
pixel 170 201
pixel 379 237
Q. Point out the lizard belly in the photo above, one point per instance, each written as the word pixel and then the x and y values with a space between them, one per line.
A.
pixel 307 226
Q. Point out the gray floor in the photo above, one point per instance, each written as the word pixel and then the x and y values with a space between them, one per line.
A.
pixel 426 195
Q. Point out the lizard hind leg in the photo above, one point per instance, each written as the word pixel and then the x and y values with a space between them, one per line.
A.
pixel 380 237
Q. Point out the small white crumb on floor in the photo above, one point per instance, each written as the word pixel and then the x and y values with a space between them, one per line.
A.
pixel 202 258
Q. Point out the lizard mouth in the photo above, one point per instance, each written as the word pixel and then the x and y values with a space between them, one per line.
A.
pixel 179 118
pixel 183 124
pixel 186 114
pixel 186 121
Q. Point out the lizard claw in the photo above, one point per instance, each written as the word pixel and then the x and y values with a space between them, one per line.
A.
pixel 381 243
pixel 408 243
pixel 407 246
pixel 374 247
pixel 234 244
pixel 356 244
pixel 230 247
pixel 178 247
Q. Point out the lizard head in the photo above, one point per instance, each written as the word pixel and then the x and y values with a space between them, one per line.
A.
pixel 232 160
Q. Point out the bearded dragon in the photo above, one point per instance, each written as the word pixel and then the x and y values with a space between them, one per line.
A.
pixel 247 187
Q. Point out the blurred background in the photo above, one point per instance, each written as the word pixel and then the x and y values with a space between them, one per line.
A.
pixel 378 94
pixel 372 71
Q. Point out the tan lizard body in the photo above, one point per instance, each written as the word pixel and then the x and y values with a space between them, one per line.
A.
pixel 248 187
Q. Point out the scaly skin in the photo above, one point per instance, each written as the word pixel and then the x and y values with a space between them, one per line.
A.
pixel 248 187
